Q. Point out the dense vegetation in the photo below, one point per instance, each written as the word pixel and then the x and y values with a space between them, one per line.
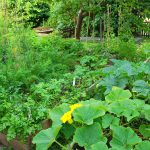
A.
pixel 94 95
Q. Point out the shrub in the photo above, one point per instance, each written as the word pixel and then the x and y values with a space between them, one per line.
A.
pixel 123 49
pixel 29 12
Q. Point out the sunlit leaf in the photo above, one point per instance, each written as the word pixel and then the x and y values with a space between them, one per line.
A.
pixel 89 135
pixel 145 145
pixel 118 94
pixel 45 138
pixel 87 113
pixel 124 137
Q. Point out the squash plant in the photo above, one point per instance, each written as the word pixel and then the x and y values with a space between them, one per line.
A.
pixel 95 124
pixel 125 74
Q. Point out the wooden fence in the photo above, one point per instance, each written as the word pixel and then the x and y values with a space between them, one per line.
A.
pixel 146 31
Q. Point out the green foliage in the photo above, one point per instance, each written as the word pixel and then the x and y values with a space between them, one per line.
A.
pixel 124 138
pixel 46 137
pixel 144 49
pixel 42 76
pixel 121 18
pixel 142 88
pixel 118 95
pixel 88 113
pixel 143 145
pixel 37 75
pixel 108 120
pixel 99 145
pixel 124 74
pixel 83 134
pixel 30 12
pixel 121 47
pixel 100 128
pixel 50 71
pixel 57 112
pixel 145 130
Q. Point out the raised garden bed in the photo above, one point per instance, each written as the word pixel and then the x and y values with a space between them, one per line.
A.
pixel 43 30
pixel 16 144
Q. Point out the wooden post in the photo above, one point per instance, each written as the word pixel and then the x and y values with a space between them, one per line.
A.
pixel 79 24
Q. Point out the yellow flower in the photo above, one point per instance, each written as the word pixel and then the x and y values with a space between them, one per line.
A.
pixel 70 121
pixel 73 107
pixel 67 117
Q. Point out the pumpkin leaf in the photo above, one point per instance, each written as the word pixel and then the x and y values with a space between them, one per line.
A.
pixel 56 113
pixel 99 146
pixel 87 113
pixel 118 94
pixel 144 145
pixel 108 120
pixel 45 138
pixel 145 130
pixel 89 135
pixel 124 137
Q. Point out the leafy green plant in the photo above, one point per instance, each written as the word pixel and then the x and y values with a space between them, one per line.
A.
pixel 94 122
pixel 121 48
pixel 124 74
pixel 29 12
pixel 38 74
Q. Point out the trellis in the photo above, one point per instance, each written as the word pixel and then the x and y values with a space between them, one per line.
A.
pixel 104 26
pixel 146 33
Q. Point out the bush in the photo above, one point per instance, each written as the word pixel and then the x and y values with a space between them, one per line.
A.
pixel 123 49
pixel 29 12
pixel 144 50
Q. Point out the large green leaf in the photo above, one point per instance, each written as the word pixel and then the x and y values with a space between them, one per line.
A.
pixel 93 103
pixel 145 145
pixel 89 135
pixel 56 113
pixel 108 120
pixel 141 87
pixel 145 130
pixel 45 138
pixel 146 111
pixel 110 81
pixel 120 67
pixel 87 113
pixel 118 94
pixel 128 108
pixel 120 148
pixel 99 146
pixel 124 137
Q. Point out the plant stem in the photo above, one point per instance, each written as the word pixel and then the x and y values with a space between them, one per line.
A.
pixel 60 145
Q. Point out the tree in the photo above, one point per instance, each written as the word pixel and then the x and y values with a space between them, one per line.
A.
pixel 29 12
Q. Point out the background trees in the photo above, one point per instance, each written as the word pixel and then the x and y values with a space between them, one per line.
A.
pixel 29 12
pixel 88 17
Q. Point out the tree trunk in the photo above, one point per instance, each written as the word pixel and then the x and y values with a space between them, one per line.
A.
pixel 79 24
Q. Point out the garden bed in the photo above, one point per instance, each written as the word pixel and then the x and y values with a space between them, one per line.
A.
pixel 43 30
pixel 17 144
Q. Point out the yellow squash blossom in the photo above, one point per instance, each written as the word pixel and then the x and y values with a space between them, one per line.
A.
pixel 73 107
pixel 67 117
